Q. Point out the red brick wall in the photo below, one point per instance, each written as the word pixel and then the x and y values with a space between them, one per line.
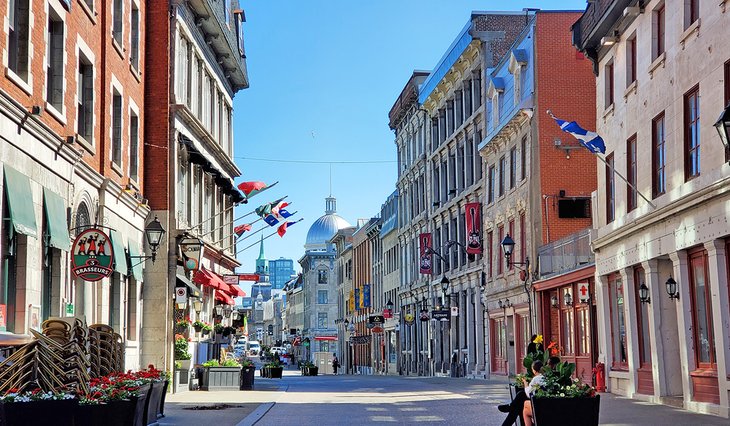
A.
pixel 92 27
pixel 566 85
pixel 157 91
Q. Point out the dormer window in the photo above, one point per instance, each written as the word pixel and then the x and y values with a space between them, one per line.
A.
pixel 240 18
pixel 494 93
pixel 517 65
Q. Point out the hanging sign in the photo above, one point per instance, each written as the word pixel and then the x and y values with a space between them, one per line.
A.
pixel 365 296
pixel 440 314
pixel 424 315
pixel 248 277
pixel 191 250
pixel 584 293
pixel 454 311
pixel 473 228
pixel 357 299
pixel 376 319
pixel 92 255
pixel 409 318
pixel 426 257
pixel 181 295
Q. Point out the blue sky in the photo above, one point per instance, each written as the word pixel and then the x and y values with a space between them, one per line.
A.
pixel 323 76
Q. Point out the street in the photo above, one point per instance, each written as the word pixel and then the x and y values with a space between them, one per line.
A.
pixel 340 400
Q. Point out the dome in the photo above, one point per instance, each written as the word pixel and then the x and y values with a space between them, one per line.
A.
pixel 325 227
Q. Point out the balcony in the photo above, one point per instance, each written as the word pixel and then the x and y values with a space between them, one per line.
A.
pixel 565 255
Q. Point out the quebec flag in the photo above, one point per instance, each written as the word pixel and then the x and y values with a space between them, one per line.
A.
pixel 588 139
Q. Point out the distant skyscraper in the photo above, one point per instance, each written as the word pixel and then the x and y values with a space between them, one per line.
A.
pixel 280 271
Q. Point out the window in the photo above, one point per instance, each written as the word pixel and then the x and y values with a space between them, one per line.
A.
pixel 9 244
pixel 54 66
pixel 85 99
pixel 691 12
pixel 658 159
pixel 692 133
pixel 727 100
pixel 517 88
pixel 117 16
pixel 227 12
pixel 467 99
pixel 19 38
pixel 239 32
pixel 583 320
pixel 523 158
pixel 490 187
pixel 702 327
pixel 502 170
pixel 512 166
pixel 477 88
pixel 490 238
pixel 322 320
pixel 322 277
pixel 132 303
pixel 618 324
pixel 523 238
pixel 631 60
pixel 631 173
pixel 117 128
pixel 610 189
pixel 500 237
pixel 574 208
pixel 608 84
pixel 322 297
pixel 658 36
pixel 47 270
pixel 134 54
pixel 133 146
pixel 642 320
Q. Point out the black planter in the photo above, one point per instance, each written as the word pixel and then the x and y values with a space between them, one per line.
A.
pixel 566 411
pixel 140 407
pixel 198 328
pixel 276 372
pixel 153 402
pixel 38 413
pixel 161 408
pixel 113 413
pixel 247 378
pixel 313 371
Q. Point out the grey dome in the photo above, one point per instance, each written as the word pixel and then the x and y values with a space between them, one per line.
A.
pixel 325 227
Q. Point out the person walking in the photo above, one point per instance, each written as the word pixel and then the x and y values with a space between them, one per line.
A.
pixel 335 363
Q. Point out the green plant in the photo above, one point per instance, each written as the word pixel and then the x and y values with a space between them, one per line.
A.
pixel 181 348
pixel 183 323
pixel 308 364
pixel 227 363
pixel 198 324
pixel 552 387
pixel 178 365
pixel 230 362
pixel 218 328
pixel 273 364
pixel 246 363
pixel 207 328
pixel 211 363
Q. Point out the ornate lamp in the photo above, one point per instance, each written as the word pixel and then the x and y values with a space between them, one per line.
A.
pixel 672 288
pixel 644 293
pixel 154 233
pixel 568 299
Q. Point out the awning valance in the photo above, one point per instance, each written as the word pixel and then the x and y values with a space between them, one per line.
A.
pixel 223 297
pixel 210 279
pixel 137 263
pixel 57 230
pixel 20 202
pixel 236 291
pixel 120 257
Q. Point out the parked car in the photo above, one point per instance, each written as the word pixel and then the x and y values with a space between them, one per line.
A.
pixel 280 349
pixel 254 347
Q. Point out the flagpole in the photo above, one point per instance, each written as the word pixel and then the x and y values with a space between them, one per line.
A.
pixel 613 169
pixel 252 233
pixel 257 242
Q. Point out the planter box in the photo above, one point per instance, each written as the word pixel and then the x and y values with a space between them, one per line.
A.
pixel 566 411
pixel 153 402
pixel 161 408
pixel 38 413
pixel 181 381
pixel 275 372
pixel 221 378
pixel 247 378
pixel 140 407
pixel 114 413
pixel 310 371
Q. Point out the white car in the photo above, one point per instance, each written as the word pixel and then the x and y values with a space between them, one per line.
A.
pixel 254 347
pixel 280 349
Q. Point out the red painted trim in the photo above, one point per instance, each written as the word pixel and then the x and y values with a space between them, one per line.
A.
pixel 568 278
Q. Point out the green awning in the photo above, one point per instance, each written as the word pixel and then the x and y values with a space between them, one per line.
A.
pixel 136 259
pixel 20 202
pixel 183 281
pixel 56 220
pixel 120 257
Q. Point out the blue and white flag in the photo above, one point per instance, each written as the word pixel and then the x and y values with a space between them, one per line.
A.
pixel 588 139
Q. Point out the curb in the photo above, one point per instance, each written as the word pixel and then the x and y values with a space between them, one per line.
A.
pixel 257 414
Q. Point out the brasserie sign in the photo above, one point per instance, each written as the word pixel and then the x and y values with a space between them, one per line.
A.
pixel 92 255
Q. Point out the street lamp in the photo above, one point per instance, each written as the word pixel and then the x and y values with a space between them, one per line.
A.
pixel 445 287
pixel 672 289
pixel 568 299
pixel 154 233
pixel 554 302
pixel 227 311
pixel 723 127
pixel 197 306
pixel 389 305
pixel 219 310
pixel 508 245
pixel 644 293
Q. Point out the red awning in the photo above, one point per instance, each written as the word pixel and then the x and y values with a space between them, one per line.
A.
pixel 236 291
pixel 222 297
pixel 330 338
pixel 219 280
pixel 203 277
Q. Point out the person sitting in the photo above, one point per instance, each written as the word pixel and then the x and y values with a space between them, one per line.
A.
pixel 515 407
pixel 536 381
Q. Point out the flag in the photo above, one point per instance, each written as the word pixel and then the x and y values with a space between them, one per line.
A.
pixel 240 229
pixel 278 213
pixel 591 140
pixel 282 229
pixel 265 209
pixel 250 189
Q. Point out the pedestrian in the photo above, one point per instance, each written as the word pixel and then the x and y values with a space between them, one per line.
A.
pixel 335 363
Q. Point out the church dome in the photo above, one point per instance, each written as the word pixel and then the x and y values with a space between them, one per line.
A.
pixel 325 227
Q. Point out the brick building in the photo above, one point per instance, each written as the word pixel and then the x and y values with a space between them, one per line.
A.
pixel 195 66
pixel 533 171
pixel 72 155
pixel 662 79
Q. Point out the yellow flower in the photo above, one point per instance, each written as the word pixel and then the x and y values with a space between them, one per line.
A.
pixel 538 339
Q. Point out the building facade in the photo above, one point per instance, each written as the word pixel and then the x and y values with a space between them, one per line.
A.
pixel 280 272
pixel 362 279
pixel 196 59
pixel 72 156
pixel 661 84
pixel 527 196
pixel 342 242
pixel 390 283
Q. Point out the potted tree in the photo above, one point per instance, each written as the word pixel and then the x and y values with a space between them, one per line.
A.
pixel 247 374
pixel 221 376
pixel 206 329
pixel 182 364
pixel 309 369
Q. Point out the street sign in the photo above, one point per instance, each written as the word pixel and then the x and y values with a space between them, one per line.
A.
pixel 376 319
pixel 248 277
pixel 424 315
pixel 454 311
pixel 583 292
pixel 440 314
pixel 181 295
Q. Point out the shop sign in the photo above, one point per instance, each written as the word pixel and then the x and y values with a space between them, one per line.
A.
pixel 357 299
pixel 92 255
pixel 409 318
pixel 377 329
pixel 365 296
pixel 387 313
pixel 440 314
pixel 454 311
pixel 426 264
pixel 181 295
pixel 69 309
pixel 376 319
pixel 473 218
pixel 584 293
pixel 248 277
pixel 191 250
pixel 424 315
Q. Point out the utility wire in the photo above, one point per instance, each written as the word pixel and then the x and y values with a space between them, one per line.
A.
pixel 278 160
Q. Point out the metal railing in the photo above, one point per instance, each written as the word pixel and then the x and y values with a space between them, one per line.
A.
pixel 565 255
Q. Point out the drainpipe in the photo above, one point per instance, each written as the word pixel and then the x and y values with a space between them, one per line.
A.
pixel 547 217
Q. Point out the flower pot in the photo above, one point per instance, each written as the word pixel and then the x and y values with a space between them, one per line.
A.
pixel 221 378
pixel 112 413
pixel 140 408
pixel 247 378
pixel 161 407
pixel 276 372
pixel 566 411
pixel 184 364
pixel 153 402
pixel 38 413
pixel 197 328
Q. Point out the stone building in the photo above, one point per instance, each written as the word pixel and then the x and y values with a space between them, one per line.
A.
pixel 390 283
pixel 537 188
pixel 72 155
pixel 662 79
pixel 319 286
pixel 342 242
pixel 196 60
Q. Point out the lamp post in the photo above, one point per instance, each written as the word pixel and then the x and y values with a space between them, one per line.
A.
pixel 197 306
pixel 445 283
pixel 672 289
pixel 508 245
pixel 722 125
pixel 644 293
pixel 154 233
